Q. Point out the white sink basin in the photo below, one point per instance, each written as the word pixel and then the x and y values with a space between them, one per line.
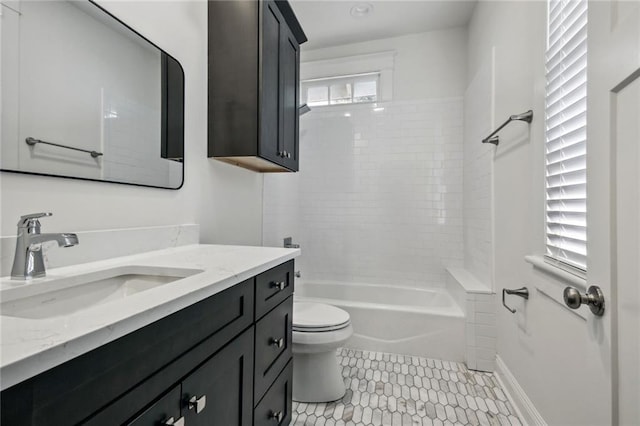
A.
pixel 64 296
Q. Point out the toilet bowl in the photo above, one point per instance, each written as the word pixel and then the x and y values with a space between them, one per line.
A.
pixel 318 330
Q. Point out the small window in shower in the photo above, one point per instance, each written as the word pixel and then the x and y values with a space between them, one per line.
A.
pixel 317 95
pixel 340 90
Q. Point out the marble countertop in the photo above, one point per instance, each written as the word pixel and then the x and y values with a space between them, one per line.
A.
pixel 30 346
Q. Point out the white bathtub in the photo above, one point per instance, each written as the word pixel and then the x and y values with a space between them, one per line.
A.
pixel 403 320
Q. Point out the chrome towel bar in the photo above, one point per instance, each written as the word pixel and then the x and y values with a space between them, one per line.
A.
pixel 32 141
pixel 525 116
pixel 522 292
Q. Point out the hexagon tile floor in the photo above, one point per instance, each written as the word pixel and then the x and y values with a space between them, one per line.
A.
pixel 395 390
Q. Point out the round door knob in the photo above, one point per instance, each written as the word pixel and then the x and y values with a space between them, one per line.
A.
pixel 594 299
pixel 572 298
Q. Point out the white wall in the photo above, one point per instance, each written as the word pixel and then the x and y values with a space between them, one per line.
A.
pixel 427 65
pixel 546 346
pixel 225 200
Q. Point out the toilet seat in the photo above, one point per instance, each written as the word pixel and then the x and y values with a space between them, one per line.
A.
pixel 318 317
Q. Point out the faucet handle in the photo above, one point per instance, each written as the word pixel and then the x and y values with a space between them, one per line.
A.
pixel 28 218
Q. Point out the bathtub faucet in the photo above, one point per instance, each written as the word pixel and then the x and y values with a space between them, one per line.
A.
pixel 288 243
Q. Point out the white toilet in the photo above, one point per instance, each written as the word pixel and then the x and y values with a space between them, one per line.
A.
pixel 318 330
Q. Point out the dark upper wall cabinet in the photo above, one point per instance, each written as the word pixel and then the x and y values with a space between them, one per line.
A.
pixel 254 76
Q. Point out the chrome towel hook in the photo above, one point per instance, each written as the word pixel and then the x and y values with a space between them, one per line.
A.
pixel 522 292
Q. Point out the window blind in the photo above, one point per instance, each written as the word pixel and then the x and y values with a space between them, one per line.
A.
pixel 345 89
pixel 566 134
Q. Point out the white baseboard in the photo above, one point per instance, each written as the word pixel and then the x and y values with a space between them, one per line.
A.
pixel 527 412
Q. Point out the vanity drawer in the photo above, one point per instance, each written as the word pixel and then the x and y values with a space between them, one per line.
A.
pixel 272 287
pixel 273 346
pixel 275 407
pixel 165 408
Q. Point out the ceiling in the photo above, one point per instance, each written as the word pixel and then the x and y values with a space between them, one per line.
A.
pixel 329 23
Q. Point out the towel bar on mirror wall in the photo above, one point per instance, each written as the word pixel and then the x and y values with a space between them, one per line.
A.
pixel 522 292
pixel 32 141
pixel 525 116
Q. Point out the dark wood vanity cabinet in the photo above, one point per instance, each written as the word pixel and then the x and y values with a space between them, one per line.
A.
pixel 225 360
pixel 215 393
pixel 254 84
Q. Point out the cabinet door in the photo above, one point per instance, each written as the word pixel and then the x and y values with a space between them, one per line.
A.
pixel 219 392
pixel 290 86
pixel 161 412
pixel 271 93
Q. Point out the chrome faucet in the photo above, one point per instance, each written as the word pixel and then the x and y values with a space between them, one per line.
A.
pixel 28 261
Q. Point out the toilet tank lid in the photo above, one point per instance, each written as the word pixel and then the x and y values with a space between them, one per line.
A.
pixel 312 315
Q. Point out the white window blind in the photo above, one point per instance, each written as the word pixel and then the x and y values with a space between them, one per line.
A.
pixel 566 134
pixel 346 89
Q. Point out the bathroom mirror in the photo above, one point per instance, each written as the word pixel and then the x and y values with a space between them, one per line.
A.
pixel 85 96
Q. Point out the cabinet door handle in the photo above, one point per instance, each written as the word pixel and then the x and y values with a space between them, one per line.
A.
pixel 173 422
pixel 197 403
pixel 276 415
pixel 288 155
pixel 280 285
pixel 276 342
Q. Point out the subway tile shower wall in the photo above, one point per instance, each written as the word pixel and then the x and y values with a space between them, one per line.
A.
pixel 379 195
pixel 478 245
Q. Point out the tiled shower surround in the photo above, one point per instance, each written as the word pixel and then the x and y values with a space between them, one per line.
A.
pixel 478 158
pixel 396 390
pixel 379 195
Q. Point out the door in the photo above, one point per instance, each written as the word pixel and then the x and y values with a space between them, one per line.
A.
pixel 627 235
pixel 280 92
pixel 220 391
pixel 271 101
pixel 270 91
pixel 613 160
pixel 290 80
